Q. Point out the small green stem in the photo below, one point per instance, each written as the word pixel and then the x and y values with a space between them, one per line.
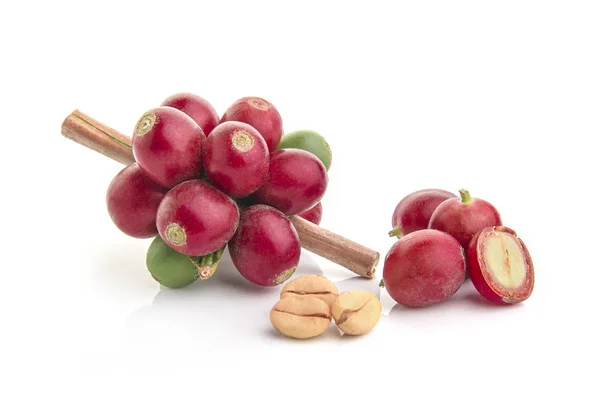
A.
pixel 212 258
pixel 465 196
pixel 382 283
pixel 207 265
pixel 397 231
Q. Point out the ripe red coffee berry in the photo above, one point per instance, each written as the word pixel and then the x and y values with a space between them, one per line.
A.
pixel 195 107
pixel 265 248
pixel 236 158
pixel 313 214
pixel 414 211
pixel 260 114
pixel 132 200
pixel 196 219
pixel 167 144
pixel 500 265
pixel 463 217
pixel 424 268
pixel 297 180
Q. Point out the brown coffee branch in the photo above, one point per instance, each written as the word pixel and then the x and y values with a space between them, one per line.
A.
pixel 97 136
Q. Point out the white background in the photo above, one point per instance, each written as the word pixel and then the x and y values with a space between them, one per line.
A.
pixel 501 98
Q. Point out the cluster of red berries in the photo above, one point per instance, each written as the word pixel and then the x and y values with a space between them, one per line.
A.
pixel 201 183
pixel 444 239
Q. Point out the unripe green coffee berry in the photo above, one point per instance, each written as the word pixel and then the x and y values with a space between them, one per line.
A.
pixel 310 141
pixel 176 270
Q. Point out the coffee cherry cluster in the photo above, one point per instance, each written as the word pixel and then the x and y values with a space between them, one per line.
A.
pixel 202 183
pixel 443 239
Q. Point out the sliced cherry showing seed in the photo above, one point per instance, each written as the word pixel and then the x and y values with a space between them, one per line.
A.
pixel 500 265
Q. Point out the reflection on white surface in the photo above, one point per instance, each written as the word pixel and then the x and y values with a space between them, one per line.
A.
pixel 231 302
pixel 467 299
pixel 359 283
pixel 227 309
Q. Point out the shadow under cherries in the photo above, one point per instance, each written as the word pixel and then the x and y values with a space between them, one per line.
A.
pixel 467 299
pixel 226 299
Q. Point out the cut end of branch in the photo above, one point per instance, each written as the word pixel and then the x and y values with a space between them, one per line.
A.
pixel 206 271
pixel 373 269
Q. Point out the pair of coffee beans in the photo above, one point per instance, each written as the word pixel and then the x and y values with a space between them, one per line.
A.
pixel 308 303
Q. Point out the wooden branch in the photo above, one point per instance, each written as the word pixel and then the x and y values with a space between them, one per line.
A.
pixel 351 255
pixel 359 259
pixel 90 133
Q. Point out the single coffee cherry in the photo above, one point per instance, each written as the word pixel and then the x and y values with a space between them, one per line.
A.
pixel 265 248
pixel 167 144
pixel 169 267
pixel 414 211
pixel 310 141
pixel 236 158
pixel 424 268
pixel 297 180
pixel 463 217
pixel 260 114
pixel 196 219
pixel 314 214
pixel 132 200
pixel 195 107
pixel 175 270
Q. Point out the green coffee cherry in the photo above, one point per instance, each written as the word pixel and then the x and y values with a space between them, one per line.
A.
pixel 175 270
pixel 310 141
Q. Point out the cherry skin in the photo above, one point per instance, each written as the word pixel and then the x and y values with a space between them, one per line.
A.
pixel 424 268
pixel 260 114
pixel 196 107
pixel 297 180
pixel 314 214
pixel 463 217
pixel 265 248
pixel 236 158
pixel 196 219
pixel 414 211
pixel 132 200
pixel 167 144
